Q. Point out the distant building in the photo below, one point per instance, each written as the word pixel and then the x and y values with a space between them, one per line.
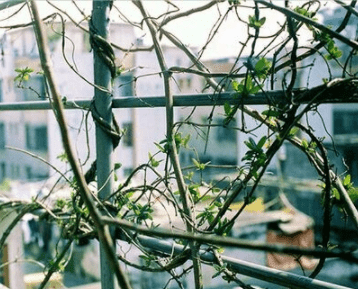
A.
pixel 336 123
pixel 37 131
pixel 213 142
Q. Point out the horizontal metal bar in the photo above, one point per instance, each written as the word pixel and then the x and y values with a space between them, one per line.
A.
pixel 245 268
pixel 159 101
pixel 10 3
pixel 138 102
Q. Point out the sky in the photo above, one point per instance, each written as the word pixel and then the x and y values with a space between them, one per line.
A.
pixel 192 31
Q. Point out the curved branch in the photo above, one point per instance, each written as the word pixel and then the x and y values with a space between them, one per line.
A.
pixel 103 231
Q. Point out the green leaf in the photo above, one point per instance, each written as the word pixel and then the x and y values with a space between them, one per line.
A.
pixel 305 144
pixel 293 131
pixel 196 163
pixel 153 162
pixel 227 108
pixel 255 89
pixel 256 23
pixel 186 140
pixel 262 68
pixel 262 21
pixel 63 157
pixel 261 142
pixel 347 180
pixel 271 112
pixel 234 85
pixel 336 194
pixel 353 194
pixel 160 147
pixel 23 73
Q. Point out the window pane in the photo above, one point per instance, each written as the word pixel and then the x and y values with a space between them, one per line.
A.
pixel 2 136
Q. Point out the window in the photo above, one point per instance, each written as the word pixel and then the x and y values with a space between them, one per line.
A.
pixel 2 136
pixel 127 138
pixel 226 133
pixel 28 173
pixel 34 89
pixel 123 86
pixel 127 171
pixel 226 161
pixel 181 83
pixel 188 82
pixel 1 94
pixel 36 137
pixel 345 122
pixel 2 171
pixel 15 171
pixel 86 42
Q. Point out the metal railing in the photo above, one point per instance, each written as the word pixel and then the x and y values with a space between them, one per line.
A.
pixel 244 268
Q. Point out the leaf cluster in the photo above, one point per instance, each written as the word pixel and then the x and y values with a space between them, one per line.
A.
pixel 255 157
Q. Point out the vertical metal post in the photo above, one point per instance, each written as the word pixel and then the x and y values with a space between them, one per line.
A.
pixel 103 105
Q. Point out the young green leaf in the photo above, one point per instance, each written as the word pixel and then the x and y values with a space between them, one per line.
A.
pixel 227 108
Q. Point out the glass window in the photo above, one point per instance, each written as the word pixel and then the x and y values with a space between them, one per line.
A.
pixel 345 122
pixel 2 136
pixel 127 138
pixel 36 137
pixel 1 94
pixel 226 133
pixel 3 171
pixel 34 89
pixel 123 86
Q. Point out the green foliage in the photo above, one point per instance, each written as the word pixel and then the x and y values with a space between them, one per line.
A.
pixel 310 147
pixel 227 109
pixel 256 23
pixel 224 227
pixel 199 166
pixel 153 162
pixel 5 185
pixel 60 267
pixel 303 11
pixel 255 157
pixel 208 214
pixel 119 70
pixel 318 35
pixel 180 141
pixel 333 51
pixel 124 200
pixel 246 86
pixel 23 74
pixel 293 132
pixel 272 113
pixel 234 2
pixel 63 157
pixel 262 68
pixel 189 176
pixel 148 259
pixel 141 212
pixel 348 185
pixel 61 203
pixel 219 269
pixel 194 192
pixel 64 100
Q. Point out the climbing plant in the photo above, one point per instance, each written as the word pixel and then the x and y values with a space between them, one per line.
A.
pixel 198 209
